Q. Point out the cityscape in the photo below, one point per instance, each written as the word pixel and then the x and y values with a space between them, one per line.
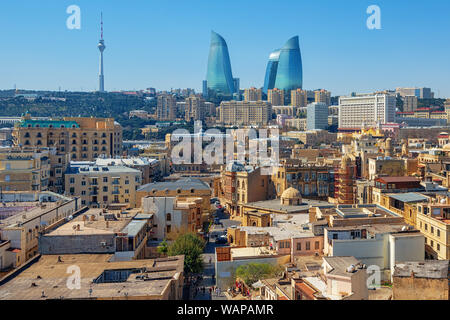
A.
pixel 223 191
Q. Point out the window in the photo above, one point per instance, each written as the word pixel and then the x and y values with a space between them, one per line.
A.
pixel 83 192
pixel 317 245
pixel 432 230
pixel 299 246
pixel 105 198
pixel 308 246
pixel 426 227
pixel 72 180
pixel 127 191
pixel 72 190
pixel 105 189
pixel 438 247
pixel 83 183
pixel 438 232
pixel 127 181
pixel 105 179
pixel 7 178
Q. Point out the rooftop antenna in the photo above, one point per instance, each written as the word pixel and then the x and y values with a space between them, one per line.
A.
pixel 101 24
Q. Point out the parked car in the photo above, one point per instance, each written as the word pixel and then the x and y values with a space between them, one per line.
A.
pixel 222 240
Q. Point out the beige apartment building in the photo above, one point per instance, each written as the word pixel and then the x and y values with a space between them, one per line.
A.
pixel 166 108
pixel 245 113
pixel 24 169
pixel 252 94
pixel 82 138
pixel 195 108
pixel 275 97
pixel 433 221
pixel 323 96
pixel 103 186
pixel 299 98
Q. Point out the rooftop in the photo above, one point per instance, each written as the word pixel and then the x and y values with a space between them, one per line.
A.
pixel 242 253
pixel 135 278
pixel 275 205
pixel 433 269
pixel 183 184
pixel 95 170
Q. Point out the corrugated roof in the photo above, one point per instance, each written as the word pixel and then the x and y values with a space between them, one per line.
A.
pixel 409 197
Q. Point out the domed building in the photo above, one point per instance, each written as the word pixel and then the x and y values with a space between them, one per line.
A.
pixel 291 197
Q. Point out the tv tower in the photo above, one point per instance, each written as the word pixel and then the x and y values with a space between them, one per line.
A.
pixel 101 46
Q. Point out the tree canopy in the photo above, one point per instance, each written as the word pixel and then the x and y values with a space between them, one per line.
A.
pixel 191 246
pixel 253 272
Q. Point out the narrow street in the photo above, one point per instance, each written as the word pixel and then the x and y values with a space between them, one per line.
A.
pixel 209 260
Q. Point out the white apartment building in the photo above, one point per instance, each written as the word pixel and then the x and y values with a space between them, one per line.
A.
pixel 370 110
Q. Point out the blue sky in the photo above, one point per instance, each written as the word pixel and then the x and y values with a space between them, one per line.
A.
pixel 164 44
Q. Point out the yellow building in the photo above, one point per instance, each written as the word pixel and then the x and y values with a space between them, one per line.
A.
pixel 299 98
pixel 24 169
pixel 433 220
pixel 252 94
pixel 103 186
pixel 275 97
pixel 184 188
pixel 245 113
pixel 323 96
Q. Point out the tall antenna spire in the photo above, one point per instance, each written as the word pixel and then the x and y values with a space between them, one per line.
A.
pixel 101 24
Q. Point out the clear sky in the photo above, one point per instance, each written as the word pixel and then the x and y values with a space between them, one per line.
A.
pixel 165 44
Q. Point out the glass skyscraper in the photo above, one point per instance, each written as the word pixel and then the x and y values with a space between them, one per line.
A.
pixel 219 76
pixel 284 69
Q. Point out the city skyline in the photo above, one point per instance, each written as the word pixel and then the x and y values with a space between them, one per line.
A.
pixel 36 61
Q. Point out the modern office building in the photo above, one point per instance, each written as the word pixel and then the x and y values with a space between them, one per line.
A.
pixel 284 69
pixel 276 97
pixel 245 112
pixel 356 112
pixel 252 94
pixel 317 116
pixel 219 76
pixel 420 93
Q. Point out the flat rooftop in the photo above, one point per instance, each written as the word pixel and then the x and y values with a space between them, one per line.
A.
pixel 12 213
pixel 140 278
pixel 433 269
pixel 240 253
pixel 275 205
pixel 95 221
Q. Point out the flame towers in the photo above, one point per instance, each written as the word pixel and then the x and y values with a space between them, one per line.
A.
pixel 284 69
pixel 219 78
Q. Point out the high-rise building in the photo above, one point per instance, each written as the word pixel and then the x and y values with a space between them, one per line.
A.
pixel 252 94
pixel 219 76
pixel 284 69
pixel 410 103
pixel 299 98
pixel 317 116
pixel 101 47
pixel 323 96
pixel 355 112
pixel 166 107
pixel 276 97
pixel 245 112
pixel 195 109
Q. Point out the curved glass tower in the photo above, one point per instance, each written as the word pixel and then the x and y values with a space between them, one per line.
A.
pixel 284 69
pixel 271 71
pixel 219 77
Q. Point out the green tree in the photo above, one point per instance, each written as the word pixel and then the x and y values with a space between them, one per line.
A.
pixel 253 272
pixel 163 247
pixel 191 246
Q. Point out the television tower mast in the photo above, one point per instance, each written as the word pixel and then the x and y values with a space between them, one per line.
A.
pixel 101 47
